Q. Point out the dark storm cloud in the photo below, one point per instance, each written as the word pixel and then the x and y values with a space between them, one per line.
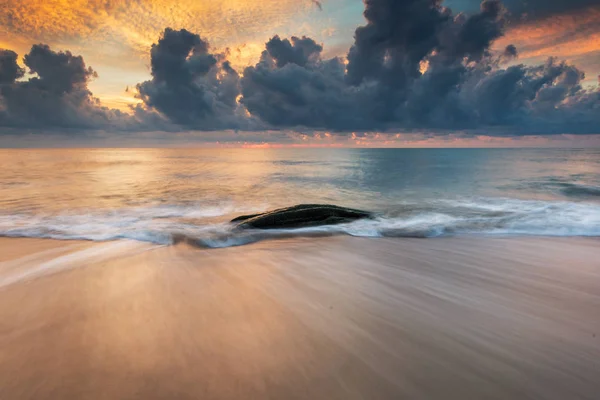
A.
pixel 191 86
pixel 510 52
pixel 519 94
pixel 314 96
pixel 293 86
pixel 59 72
pixel 382 86
pixel 55 97
pixel 299 51
pixel 9 68
pixel 415 65
pixel 398 35
pixel 479 31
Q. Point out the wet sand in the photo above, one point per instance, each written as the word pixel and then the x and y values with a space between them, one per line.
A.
pixel 327 318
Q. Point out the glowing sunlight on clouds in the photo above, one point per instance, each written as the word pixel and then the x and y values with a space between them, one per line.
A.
pixel 136 24
pixel 122 31
pixel 575 37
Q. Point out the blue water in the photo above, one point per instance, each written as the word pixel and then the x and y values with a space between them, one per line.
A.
pixel 160 195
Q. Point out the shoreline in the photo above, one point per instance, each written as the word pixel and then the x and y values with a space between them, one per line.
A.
pixel 284 236
pixel 335 317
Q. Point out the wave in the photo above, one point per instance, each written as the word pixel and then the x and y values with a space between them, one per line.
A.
pixel 561 186
pixel 202 227
pixel 576 190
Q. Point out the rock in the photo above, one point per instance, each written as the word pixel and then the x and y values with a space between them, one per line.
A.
pixel 300 216
pixel 246 217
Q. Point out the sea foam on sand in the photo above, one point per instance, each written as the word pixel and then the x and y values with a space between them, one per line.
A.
pixel 311 318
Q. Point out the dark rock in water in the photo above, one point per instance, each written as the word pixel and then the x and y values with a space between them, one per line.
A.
pixel 246 217
pixel 300 216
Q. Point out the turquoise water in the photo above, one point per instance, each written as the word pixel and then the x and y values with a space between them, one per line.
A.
pixel 160 195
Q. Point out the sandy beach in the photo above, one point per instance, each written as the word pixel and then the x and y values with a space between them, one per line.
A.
pixel 326 318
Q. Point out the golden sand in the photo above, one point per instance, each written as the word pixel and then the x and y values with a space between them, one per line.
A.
pixel 335 318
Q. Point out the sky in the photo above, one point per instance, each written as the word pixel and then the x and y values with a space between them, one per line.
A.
pixel 295 72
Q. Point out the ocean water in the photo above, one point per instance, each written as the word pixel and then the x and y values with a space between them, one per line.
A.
pixel 166 195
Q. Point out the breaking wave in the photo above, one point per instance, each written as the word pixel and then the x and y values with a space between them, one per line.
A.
pixel 208 227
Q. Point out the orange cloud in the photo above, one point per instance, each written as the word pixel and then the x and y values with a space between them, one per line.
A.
pixel 575 37
pixel 137 23
pixel 567 35
pixel 115 36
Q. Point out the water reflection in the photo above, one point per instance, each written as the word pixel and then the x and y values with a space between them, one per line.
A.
pixel 158 190
pixel 55 180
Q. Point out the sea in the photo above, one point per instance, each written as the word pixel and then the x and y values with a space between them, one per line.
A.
pixel 167 195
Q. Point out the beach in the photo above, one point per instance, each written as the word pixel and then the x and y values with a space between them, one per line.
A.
pixel 328 318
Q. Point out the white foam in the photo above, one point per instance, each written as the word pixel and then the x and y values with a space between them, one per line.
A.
pixel 486 216
pixel 18 270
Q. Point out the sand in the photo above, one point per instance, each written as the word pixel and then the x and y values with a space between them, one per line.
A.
pixel 326 318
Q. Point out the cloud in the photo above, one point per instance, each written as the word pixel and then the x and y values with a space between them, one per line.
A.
pixel 299 51
pixel 300 92
pixel 567 29
pixel 510 52
pixel 414 66
pixel 9 69
pixel 56 96
pixel 568 35
pixel 135 24
pixel 537 9
pixel 191 86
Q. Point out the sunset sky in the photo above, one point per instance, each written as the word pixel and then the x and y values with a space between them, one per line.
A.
pixel 115 38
